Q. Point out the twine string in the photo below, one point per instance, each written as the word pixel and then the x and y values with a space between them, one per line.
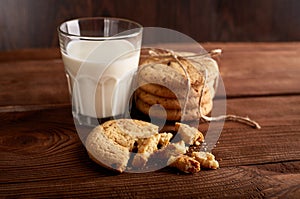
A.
pixel 229 117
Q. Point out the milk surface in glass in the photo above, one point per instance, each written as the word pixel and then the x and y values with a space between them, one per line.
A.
pixel 100 75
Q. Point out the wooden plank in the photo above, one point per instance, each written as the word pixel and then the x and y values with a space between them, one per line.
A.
pixel 23 133
pixel 238 144
pixel 30 54
pixel 33 82
pixel 279 118
pixel 53 163
pixel 239 182
pixel 261 70
pixel 42 156
pixel 239 47
pixel 248 69
pixel 32 177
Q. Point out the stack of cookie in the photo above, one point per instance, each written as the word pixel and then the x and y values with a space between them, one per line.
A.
pixel 181 87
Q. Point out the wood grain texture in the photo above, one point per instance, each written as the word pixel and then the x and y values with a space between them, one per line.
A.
pixel 247 69
pixel 42 156
pixel 32 24
pixel 30 54
pixel 232 182
pixel 261 70
pixel 33 82
pixel 279 118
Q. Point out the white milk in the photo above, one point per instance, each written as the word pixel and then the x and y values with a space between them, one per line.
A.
pixel 100 76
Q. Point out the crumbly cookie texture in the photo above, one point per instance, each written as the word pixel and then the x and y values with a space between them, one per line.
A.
pixel 171 150
pixel 185 164
pixel 112 143
pixel 165 139
pixel 147 146
pixel 188 134
pixel 194 163
pixel 206 160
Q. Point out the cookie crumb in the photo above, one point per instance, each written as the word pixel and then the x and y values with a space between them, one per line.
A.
pixel 206 160
pixel 185 164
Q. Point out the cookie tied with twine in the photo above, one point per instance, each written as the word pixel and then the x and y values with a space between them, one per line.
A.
pixel 178 81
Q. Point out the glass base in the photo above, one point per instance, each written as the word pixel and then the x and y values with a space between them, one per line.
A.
pixel 89 121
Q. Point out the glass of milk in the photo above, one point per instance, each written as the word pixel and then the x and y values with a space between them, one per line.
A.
pixel 101 56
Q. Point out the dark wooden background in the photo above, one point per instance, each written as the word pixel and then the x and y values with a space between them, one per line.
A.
pixel 32 23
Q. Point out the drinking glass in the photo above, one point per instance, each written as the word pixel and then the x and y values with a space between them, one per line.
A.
pixel 101 56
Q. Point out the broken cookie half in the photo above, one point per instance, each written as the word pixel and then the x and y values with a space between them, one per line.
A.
pixel 136 146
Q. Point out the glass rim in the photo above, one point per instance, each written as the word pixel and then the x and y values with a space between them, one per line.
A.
pixel 82 37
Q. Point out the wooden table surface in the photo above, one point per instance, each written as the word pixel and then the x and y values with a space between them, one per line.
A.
pixel 41 154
